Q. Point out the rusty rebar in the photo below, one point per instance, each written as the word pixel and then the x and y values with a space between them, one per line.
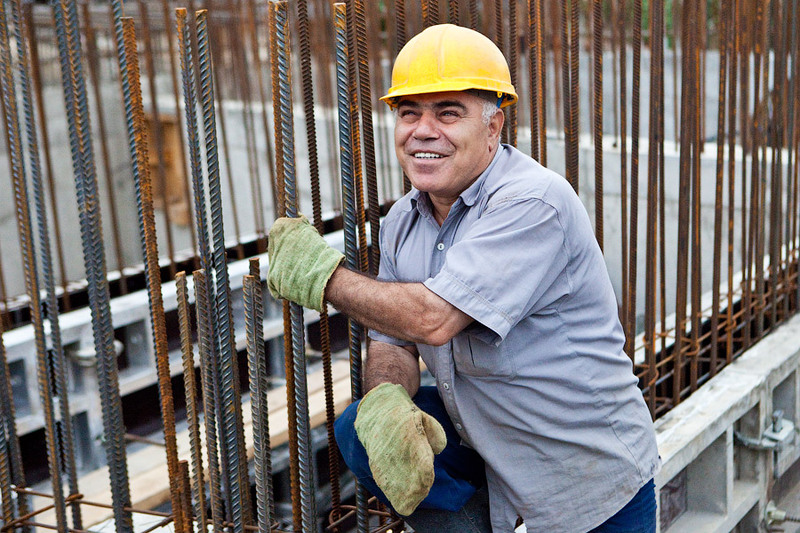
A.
pixel 718 196
pixel 316 201
pixel 158 133
pixel 597 100
pixel 192 402
pixel 368 136
pixel 513 45
pixel 147 229
pixel 307 502
pixel 288 348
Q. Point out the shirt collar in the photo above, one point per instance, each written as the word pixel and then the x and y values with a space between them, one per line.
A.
pixel 469 196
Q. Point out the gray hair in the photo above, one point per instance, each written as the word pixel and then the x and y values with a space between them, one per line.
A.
pixel 489 110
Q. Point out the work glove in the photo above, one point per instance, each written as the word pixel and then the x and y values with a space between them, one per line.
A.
pixel 400 441
pixel 300 262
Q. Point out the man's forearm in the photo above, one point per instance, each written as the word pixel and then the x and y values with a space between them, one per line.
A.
pixel 408 311
pixel 387 363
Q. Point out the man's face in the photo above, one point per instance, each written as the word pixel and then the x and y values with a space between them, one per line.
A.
pixel 442 142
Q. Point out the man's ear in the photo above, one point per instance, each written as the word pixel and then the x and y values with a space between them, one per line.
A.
pixel 496 124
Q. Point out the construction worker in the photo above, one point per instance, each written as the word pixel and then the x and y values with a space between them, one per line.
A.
pixel 491 273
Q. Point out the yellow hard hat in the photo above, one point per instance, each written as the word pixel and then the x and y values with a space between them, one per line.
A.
pixel 446 57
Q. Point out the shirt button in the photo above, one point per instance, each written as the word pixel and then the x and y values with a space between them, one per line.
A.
pixel 446 386
pixel 440 246
pixel 459 427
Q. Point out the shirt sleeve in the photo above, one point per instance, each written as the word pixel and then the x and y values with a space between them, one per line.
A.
pixel 386 272
pixel 505 264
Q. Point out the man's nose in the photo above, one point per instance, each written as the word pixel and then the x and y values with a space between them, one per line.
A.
pixel 426 127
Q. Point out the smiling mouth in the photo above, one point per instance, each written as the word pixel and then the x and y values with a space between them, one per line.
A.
pixel 427 155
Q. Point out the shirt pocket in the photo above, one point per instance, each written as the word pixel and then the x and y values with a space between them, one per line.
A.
pixel 473 357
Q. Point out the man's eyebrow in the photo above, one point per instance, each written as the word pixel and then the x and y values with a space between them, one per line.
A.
pixel 437 105
pixel 450 103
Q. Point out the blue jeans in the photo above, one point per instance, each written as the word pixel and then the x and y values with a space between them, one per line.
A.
pixel 638 515
pixel 458 501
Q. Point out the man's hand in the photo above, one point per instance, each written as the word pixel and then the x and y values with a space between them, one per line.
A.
pixel 300 262
pixel 400 441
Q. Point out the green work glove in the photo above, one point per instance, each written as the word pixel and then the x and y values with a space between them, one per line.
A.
pixel 300 262
pixel 400 441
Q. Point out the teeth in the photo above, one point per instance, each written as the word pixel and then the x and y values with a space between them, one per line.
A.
pixel 426 155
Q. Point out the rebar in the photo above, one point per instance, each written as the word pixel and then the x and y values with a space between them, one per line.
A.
pixel 597 99
pixel 350 219
pixel 91 240
pixel 11 468
pixel 259 385
pixel 316 201
pixel 192 402
pixel 147 229
pixel 56 358
pixel 307 503
pixel 231 423
pixel 29 263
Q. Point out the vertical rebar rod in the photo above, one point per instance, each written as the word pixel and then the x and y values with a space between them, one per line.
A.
pixel 316 201
pixel 231 426
pixel 368 137
pixel 138 137
pixel 574 100
pixel 259 386
pixel 94 257
pixel 36 77
pixel 621 42
pixel 209 350
pixel 430 12
pixel 173 71
pixel 652 195
pixel 262 367
pixel 158 132
pixel 684 198
pixel 56 357
pixel 534 77
pixel 192 405
pixel 567 6
pixel 472 8
pixel 697 107
pixel 355 130
pixel 513 46
pixel 30 259
pixel 11 456
pixel 256 55
pixel 279 14
pixel 93 59
pixel 288 356
pixel 597 98
pixel 350 222
pixel 206 345
pixel 541 37
pixel 733 49
pixel 718 196
pixel 634 170
pixel 400 23
pixel 452 12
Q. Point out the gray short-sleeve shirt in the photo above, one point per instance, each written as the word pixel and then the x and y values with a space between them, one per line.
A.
pixel 538 384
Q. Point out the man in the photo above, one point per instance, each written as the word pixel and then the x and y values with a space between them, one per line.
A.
pixel 491 273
